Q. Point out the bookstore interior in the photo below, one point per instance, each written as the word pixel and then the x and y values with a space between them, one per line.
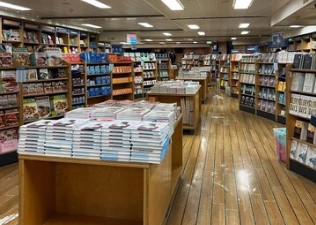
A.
pixel 99 98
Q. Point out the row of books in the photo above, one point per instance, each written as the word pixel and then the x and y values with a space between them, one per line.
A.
pixel 248 89
pixel 140 56
pixel 305 61
pixel 267 81
pixel 281 86
pixel 282 98
pixel 248 68
pixel 8 101
pixel 302 105
pixel 163 74
pixel 266 106
pixel 97 91
pixel 99 69
pixel 9 117
pixel 149 66
pixel 149 74
pixel 266 69
pixel 180 87
pixel 122 69
pixel 78 91
pixel 303 153
pixel 31 37
pixel 44 88
pixel 99 80
pixel 304 131
pixel 138 80
pixel 267 93
pixel 44 107
pixel 122 91
pixel 249 58
pixel 247 101
pixel 247 78
pixel 224 83
pixel 149 82
pixel 304 82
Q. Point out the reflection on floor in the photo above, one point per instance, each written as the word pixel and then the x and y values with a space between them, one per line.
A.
pixel 231 175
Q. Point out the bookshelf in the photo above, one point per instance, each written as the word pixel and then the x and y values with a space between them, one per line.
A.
pixel 150 73
pixel 48 35
pixel 84 41
pixel 224 73
pixel 138 80
pixel 110 184
pixel 123 81
pixel 45 93
pixel 12 32
pixel 234 78
pixel 301 146
pixel 282 74
pixel 78 85
pixel 164 66
pixel 10 116
pixel 31 36
pixel 266 80
pixel 99 82
pixel 247 83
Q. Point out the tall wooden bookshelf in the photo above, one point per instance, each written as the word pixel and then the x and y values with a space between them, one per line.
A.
pixel 78 84
pixel 234 78
pixel 301 149
pixel 150 73
pixel 224 69
pixel 138 80
pixel 164 68
pixel 123 81
pixel 281 86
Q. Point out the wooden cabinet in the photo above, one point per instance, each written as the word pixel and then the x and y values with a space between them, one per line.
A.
pixel 60 191
pixel 190 105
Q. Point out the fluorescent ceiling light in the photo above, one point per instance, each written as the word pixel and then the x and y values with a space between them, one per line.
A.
pixel 162 43
pixel 209 42
pixel 168 39
pixel 242 4
pixel 173 4
pixel 148 40
pixel 193 26
pixel 296 26
pixel 145 24
pixel 233 38
pixel 194 42
pixel 123 43
pixel 245 32
pixel 178 42
pixel 244 25
pixel 97 4
pixel 201 33
pixel 12 6
pixel 167 34
pixel 91 25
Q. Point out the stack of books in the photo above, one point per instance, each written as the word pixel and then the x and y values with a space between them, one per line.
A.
pixel 80 113
pixel 150 142
pixel 132 113
pixel 87 140
pixel 116 141
pixel 59 136
pixel 32 137
pixel 107 113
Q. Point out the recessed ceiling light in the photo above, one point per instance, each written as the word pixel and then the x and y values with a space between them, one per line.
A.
pixel 12 6
pixel 145 24
pixel 193 26
pixel 123 43
pixel 178 42
pixel 244 25
pixel 296 26
pixel 195 42
pixel 91 25
pixel 168 39
pixel 242 4
pixel 97 4
pixel 167 34
pixel 162 43
pixel 245 32
pixel 233 38
pixel 209 42
pixel 173 4
pixel 148 40
pixel 201 33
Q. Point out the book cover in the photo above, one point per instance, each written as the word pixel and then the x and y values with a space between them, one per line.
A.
pixel 308 59
pixel 11 117
pixel 8 81
pixel 48 87
pixel 301 152
pixel 300 130
pixel 60 105
pixel 309 82
pixel 31 75
pixel 297 61
pixel 20 57
pixel 5 54
pixel 311 157
pixel 293 150
pixel 54 56
pixel 30 110
pixel 43 74
pixel 43 106
pixel 310 133
pixel 297 82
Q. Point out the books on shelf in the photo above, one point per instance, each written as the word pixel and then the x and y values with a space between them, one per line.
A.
pixel 297 81
pixel 300 130
pixel 309 81
pixel 8 140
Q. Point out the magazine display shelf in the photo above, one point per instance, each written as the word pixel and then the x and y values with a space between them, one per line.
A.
pixel 178 98
pixel 65 191
pixel 204 86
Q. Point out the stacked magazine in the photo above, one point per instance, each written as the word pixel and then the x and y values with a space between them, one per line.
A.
pixel 59 136
pixel 32 137
pixel 106 113
pixel 80 113
pixel 87 140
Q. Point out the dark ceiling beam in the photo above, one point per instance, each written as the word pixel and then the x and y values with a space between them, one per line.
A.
pixel 157 30
pixel 219 17
pixel 100 17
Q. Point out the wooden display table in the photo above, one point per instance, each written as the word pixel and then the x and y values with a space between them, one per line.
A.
pixel 192 113
pixel 204 86
pixel 69 191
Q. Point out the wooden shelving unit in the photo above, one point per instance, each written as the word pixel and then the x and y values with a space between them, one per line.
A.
pixel 99 192
pixel 234 79
pixel 266 80
pixel 224 69
pixel 190 105
pixel 123 90
pixel 301 153
pixel 281 86
pixel 99 82
pixel 164 67
pixel 150 73
pixel 78 84
pixel 138 80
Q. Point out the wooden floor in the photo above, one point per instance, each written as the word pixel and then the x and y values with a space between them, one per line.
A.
pixel 231 176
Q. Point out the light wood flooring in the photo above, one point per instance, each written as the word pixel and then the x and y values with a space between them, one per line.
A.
pixel 231 176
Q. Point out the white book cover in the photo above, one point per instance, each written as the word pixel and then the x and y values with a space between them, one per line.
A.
pixel 301 152
pixel 297 82
pixel 309 82
pixel 311 157
pixel 293 150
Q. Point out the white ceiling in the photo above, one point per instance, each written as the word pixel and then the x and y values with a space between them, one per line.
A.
pixel 216 18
